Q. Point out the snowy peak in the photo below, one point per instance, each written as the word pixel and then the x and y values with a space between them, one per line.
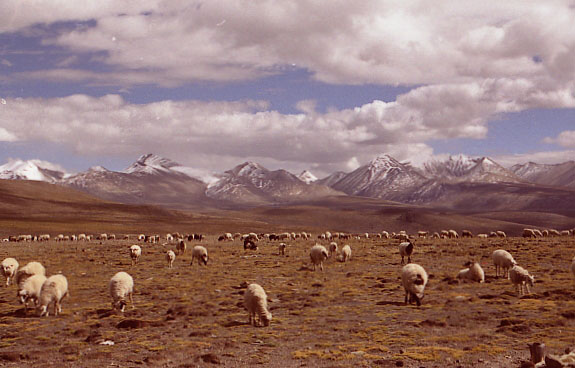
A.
pixel 307 177
pixel 562 175
pixel 249 169
pixel 150 164
pixel 464 168
pixel 454 166
pixel 98 169
pixel 31 170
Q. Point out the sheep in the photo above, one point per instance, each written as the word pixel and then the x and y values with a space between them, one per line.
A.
pixel 405 250
pixel 201 254
pixel 54 289
pixel 520 277
pixel 414 279
pixel 170 257
pixel 435 235
pixel 385 234
pixel 9 269
pixel 255 301
pixel 345 254
pixel 482 236
pixel 501 234
pixel 135 253
pixel 473 272
pixel 332 248
pixel 422 234
pixel 529 233
pixel 181 247
pixel 493 234
pixel 502 259
pixel 31 269
pixel 31 290
pixel 452 234
pixel 121 286
pixel 318 254
pixel 466 234
pixel 538 233
pixel 282 249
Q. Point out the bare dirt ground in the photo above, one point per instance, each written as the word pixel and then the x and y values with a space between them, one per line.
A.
pixel 349 315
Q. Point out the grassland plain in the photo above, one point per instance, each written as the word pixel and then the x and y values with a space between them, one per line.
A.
pixel 349 315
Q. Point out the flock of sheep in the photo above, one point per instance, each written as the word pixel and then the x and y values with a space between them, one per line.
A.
pixel 34 286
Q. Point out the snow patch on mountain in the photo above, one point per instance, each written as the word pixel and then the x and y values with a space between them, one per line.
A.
pixel 36 170
pixel 307 177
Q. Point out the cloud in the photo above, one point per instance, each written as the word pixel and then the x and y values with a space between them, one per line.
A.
pixel 564 139
pixel 545 157
pixel 6 136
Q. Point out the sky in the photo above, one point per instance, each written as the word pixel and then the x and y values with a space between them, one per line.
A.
pixel 295 84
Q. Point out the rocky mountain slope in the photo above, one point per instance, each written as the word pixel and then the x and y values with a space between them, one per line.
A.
pixel 562 175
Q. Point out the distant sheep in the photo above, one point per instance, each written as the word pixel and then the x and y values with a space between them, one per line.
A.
pixel 318 254
pixel 121 286
pixel 529 233
pixel 452 234
pixel 466 234
pixel 282 249
pixel 332 248
pixel 54 289
pixel 30 290
pixel 501 234
pixel 135 253
pixel 170 257
pixel 502 259
pixel 422 234
pixel 201 254
pixel 255 301
pixel 414 279
pixel 482 236
pixel 473 273
pixel 493 234
pixel 385 234
pixel 522 279
pixel 31 269
pixel 345 254
pixel 9 269
pixel 181 247
pixel 538 233
pixel 406 250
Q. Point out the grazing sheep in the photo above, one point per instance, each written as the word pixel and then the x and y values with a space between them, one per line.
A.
pixel 31 290
pixel 318 254
pixel 54 289
pixel 482 236
pixel 332 248
pixel 529 233
pixel 31 269
pixel 121 286
pixel 422 234
pixel 135 253
pixel 435 235
pixel 9 269
pixel 538 233
pixel 256 302
pixel 181 247
pixel 493 234
pixel 473 272
pixel 414 279
pixel 405 250
pixel 502 259
pixel 201 254
pixel 444 234
pixel 466 234
pixel 282 249
pixel 501 234
pixel 345 254
pixel 520 277
pixel 452 234
pixel 170 257
pixel 385 234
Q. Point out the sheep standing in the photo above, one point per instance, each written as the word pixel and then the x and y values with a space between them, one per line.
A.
pixel 473 272
pixel 121 286
pixel 405 250
pixel 54 289
pixel 181 248
pixel 9 269
pixel 414 279
pixel 31 269
pixel 135 253
pixel 520 277
pixel 345 254
pixel 318 254
pixel 31 289
pixel 201 254
pixel 170 257
pixel 502 259
pixel 332 248
pixel 256 302
pixel 282 249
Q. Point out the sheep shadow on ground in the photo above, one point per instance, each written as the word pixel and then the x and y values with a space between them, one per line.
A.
pixel 390 302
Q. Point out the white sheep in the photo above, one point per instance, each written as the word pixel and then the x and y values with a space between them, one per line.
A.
pixel 31 269
pixel 201 254
pixel 332 248
pixel 345 254
pixel 282 249
pixel 256 302
pixel 9 269
pixel 406 250
pixel 135 253
pixel 318 254
pixel 520 277
pixel 170 257
pixel 502 259
pixel 54 289
pixel 473 272
pixel 414 279
pixel 31 289
pixel 121 286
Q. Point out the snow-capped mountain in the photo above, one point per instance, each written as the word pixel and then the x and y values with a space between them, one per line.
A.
pixel 307 177
pixel 556 175
pixel 463 168
pixel 252 183
pixel 150 164
pixel 31 170
pixel 383 177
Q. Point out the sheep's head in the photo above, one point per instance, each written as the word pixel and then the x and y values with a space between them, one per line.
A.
pixel 22 295
pixel 205 259
pixel 42 310
pixel 531 280
pixel 325 254
pixel 266 318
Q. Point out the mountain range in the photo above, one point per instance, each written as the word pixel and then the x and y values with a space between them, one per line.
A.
pixel 460 182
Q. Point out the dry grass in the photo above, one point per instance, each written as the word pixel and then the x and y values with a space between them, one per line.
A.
pixel 350 314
